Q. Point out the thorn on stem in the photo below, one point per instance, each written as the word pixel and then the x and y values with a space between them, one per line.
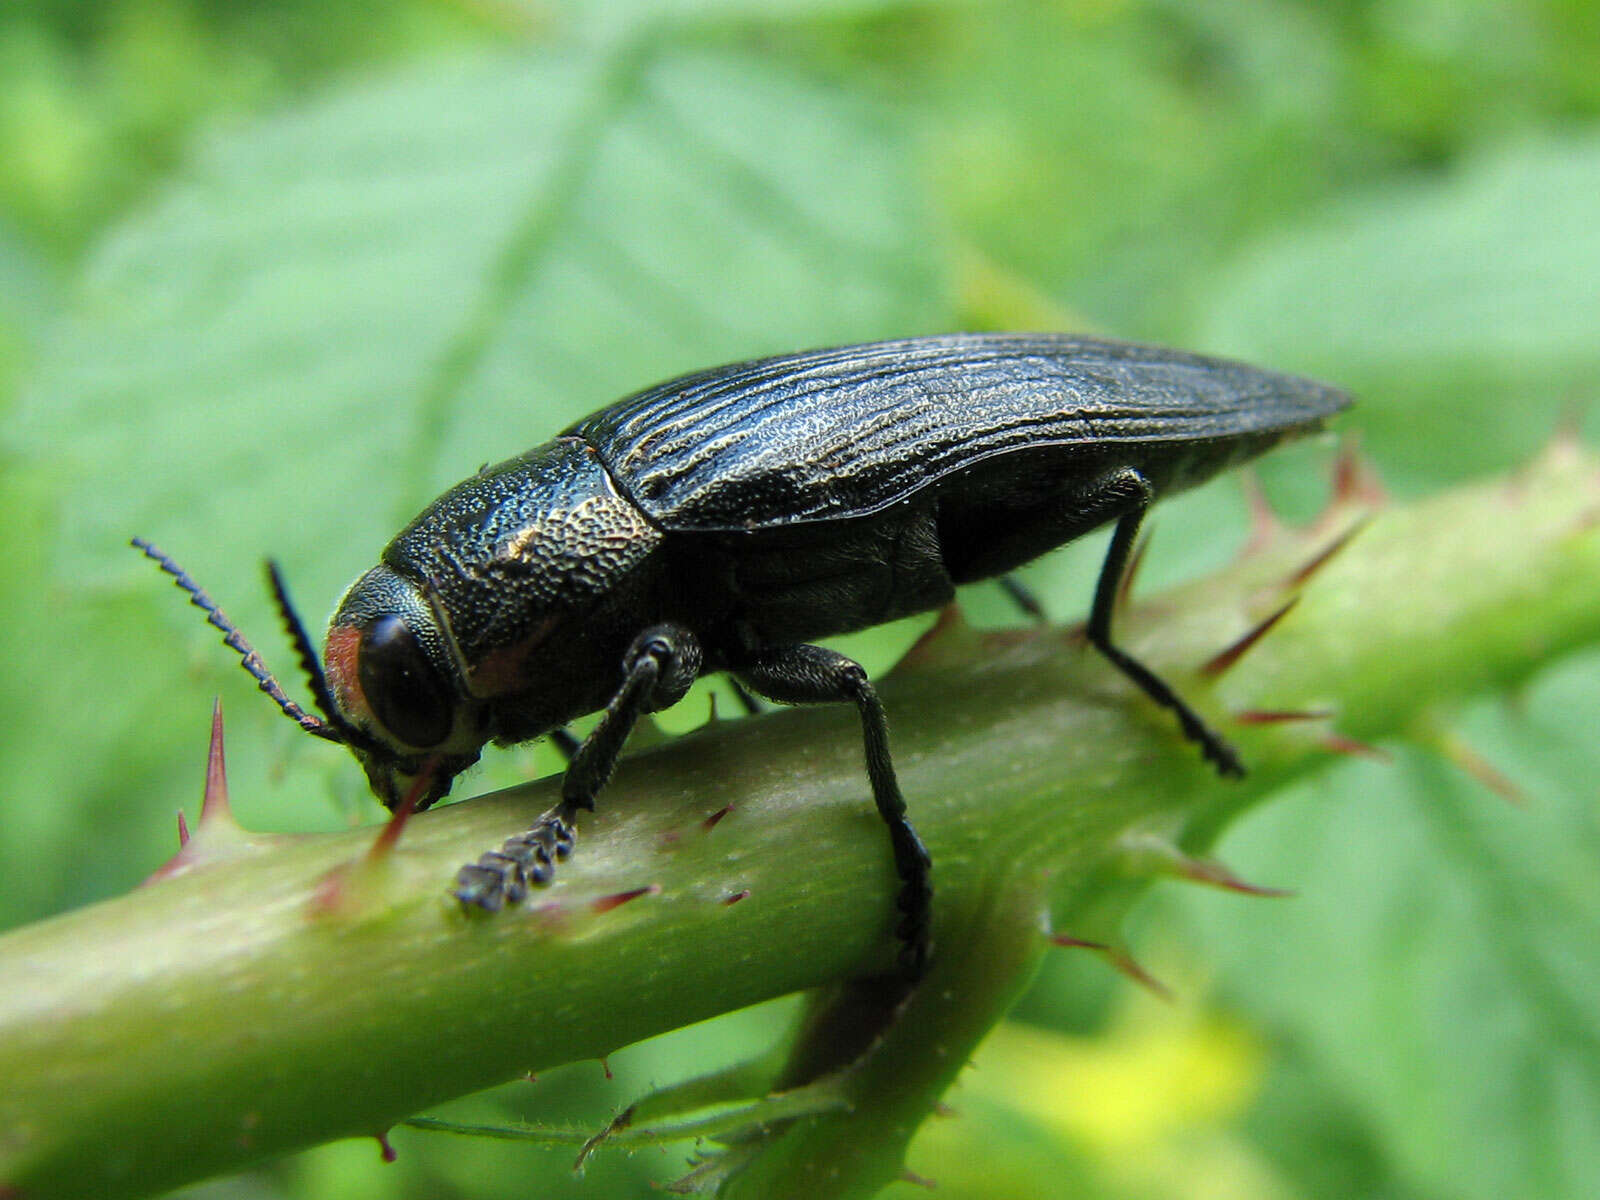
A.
pixel 1338 743
pixel 1219 875
pixel 617 899
pixel 386 1148
pixel 214 807
pixel 1265 527
pixel 1354 479
pixel 1230 655
pixel 1280 716
pixel 389 837
pixel 1456 750
pixel 1321 558
pixel 1118 958
pixel 715 818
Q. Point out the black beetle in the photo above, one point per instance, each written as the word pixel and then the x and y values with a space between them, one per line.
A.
pixel 723 520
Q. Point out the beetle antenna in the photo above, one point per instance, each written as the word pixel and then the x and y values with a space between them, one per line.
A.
pixel 331 730
pixel 303 647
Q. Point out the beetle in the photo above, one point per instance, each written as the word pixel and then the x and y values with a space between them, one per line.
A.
pixel 724 521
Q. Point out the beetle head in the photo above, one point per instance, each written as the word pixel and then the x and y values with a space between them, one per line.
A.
pixel 397 699
pixel 393 677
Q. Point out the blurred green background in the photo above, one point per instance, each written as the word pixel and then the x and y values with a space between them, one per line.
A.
pixel 274 272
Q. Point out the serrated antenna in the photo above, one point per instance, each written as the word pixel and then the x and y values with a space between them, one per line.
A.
pixel 332 729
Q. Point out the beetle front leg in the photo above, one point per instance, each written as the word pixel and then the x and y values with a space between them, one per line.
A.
pixel 804 674
pixel 657 670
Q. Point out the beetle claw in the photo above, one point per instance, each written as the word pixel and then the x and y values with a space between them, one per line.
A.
pixel 504 876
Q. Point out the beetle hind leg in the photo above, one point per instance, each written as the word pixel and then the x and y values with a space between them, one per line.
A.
pixel 1126 496
pixel 657 670
pixel 805 674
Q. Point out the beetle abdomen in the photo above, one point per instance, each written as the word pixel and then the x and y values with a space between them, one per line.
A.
pixel 832 434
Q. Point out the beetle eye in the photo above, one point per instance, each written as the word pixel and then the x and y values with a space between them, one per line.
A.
pixel 404 691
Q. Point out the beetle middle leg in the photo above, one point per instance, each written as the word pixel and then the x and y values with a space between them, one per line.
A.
pixel 657 670
pixel 805 674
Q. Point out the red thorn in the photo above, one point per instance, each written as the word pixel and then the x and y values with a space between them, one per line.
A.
pixel 183 830
pixel 618 899
pixel 389 837
pixel 1131 571
pixel 1215 874
pixel 1118 958
pixel 1230 655
pixel 742 894
pixel 922 1181
pixel 1322 557
pixel 1339 744
pixel 605 1065
pixel 1354 480
pixel 712 821
pixel 215 807
pixel 385 1148
pixel 930 648
pixel 1269 716
pixel 1265 527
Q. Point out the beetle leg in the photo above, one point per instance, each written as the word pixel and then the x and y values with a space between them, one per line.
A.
pixel 657 670
pixel 747 700
pixel 1023 597
pixel 565 742
pixel 1126 495
pixel 804 674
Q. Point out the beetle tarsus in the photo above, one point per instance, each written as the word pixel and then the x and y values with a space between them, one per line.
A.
pixel 806 674
pixel 504 876
pixel 657 670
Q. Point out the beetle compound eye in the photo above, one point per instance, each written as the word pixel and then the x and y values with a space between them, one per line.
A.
pixel 403 690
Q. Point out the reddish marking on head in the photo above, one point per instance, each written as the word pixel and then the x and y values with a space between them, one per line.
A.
pixel 341 664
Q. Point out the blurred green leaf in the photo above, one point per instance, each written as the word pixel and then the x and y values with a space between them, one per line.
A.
pixel 1440 967
pixel 1466 307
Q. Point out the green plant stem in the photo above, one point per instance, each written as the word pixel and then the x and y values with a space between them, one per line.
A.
pixel 274 992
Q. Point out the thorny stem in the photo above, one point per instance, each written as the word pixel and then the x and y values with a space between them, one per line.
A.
pixel 274 992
